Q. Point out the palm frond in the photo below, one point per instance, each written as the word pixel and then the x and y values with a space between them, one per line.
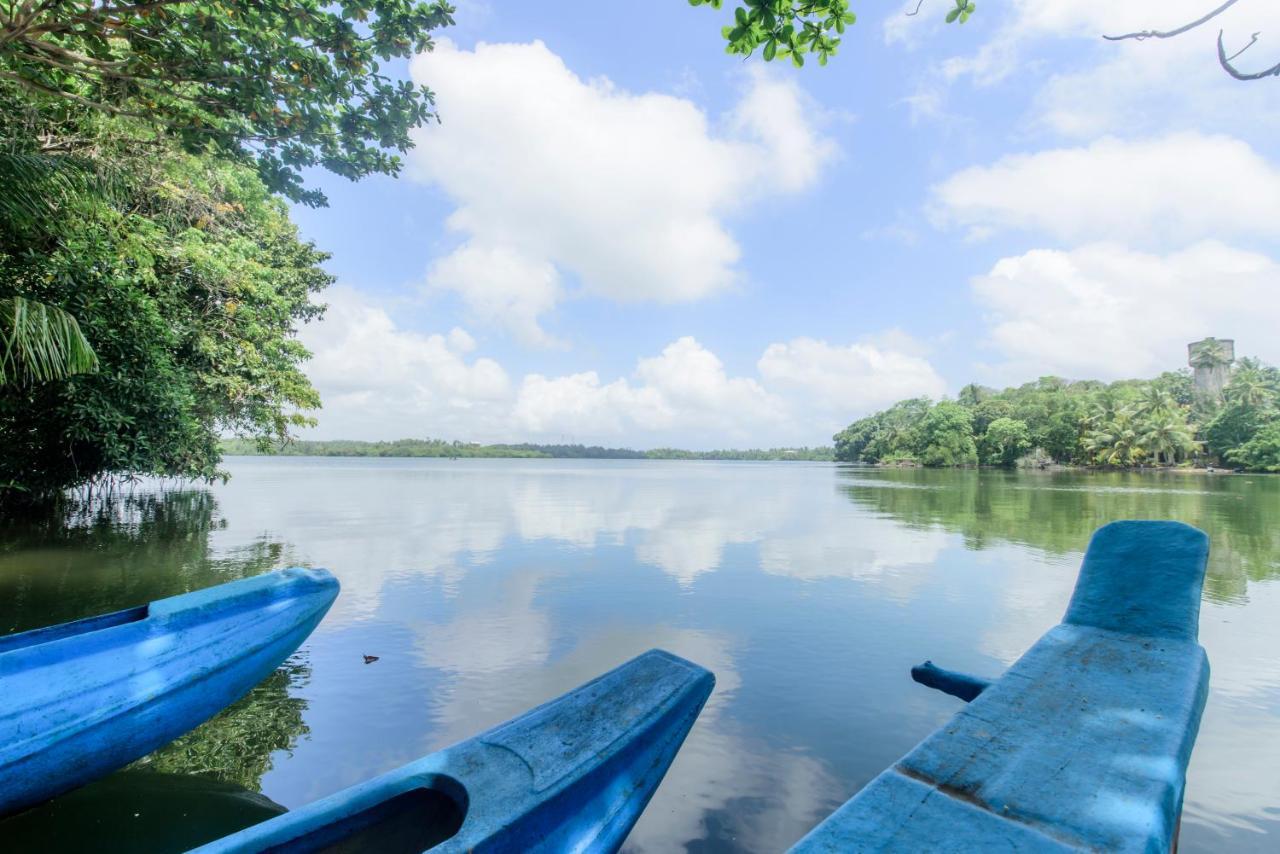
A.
pixel 39 186
pixel 40 342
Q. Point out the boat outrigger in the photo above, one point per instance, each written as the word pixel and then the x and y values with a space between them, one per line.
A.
pixel 84 698
pixel 1083 744
pixel 571 775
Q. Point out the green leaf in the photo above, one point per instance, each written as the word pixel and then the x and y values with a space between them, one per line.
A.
pixel 40 342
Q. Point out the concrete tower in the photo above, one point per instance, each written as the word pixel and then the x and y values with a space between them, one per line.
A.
pixel 1211 359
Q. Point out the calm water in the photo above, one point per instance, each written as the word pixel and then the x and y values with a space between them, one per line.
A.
pixel 486 587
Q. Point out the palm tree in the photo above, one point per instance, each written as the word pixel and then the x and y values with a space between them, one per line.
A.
pixel 972 395
pixel 1116 442
pixel 40 342
pixel 1209 353
pixel 1155 399
pixel 1168 436
pixel 1250 386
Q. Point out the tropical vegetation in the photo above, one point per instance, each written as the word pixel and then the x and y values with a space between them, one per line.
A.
pixel 790 29
pixel 151 283
pixel 1164 421
pixel 458 449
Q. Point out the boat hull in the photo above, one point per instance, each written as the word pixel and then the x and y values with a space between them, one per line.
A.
pixel 1083 744
pixel 571 775
pixel 80 700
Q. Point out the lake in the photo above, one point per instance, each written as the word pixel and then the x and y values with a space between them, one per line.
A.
pixel 488 586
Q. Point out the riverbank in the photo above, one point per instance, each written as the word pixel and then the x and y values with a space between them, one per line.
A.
pixel 440 448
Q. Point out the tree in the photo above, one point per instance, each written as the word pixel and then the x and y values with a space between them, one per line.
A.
pixel 1232 426
pixel 1253 385
pixel 973 394
pixel 1209 353
pixel 1122 423
pixel 852 441
pixel 990 410
pixel 280 84
pixel 792 28
pixel 1004 442
pixel 1168 436
pixel 1261 452
pixel 1117 442
pixel 946 436
pixel 40 342
pixel 190 282
pixel 1155 400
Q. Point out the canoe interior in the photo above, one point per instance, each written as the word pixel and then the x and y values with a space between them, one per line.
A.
pixel 1083 744
pixel 572 774
pixel 76 627
pixel 409 823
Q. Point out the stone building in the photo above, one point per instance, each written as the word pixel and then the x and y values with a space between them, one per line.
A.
pixel 1211 359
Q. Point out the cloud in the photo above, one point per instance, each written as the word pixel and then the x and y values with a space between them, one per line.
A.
pixel 1157 86
pixel 1017 36
pixel 1176 187
pixel 379 380
pixel 685 386
pixel 1089 86
pixel 502 286
pixel 1108 312
pixel 553 175
pixel 861 376
pixel 375 377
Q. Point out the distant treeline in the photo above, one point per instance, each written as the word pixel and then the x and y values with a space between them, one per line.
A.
pixel 1160 421
pixel 455 449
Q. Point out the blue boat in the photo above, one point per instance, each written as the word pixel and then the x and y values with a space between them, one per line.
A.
pixel 81 699
pixel 1083 744
pixel 571 775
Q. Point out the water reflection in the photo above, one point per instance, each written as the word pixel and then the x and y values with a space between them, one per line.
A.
pixel 236 746
pixel 1056 512
pixel 138 811
pixel 486 587
pixel 116 553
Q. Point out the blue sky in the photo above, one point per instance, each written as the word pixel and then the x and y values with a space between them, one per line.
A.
pixel 619 234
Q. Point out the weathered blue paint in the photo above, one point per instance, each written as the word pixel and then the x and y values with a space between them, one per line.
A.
pixel 571 775
pixel 81 699
pixel 960 685
pixel 1083 744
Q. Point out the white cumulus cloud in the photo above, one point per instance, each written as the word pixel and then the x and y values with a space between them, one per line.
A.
pixel 380 381
pixel 554 174
pixel 1020 28
pixel 685 387
pixel 1182 186
pixel 1108 312
pixel 855 377
pixel 1088 86
pixel 500 285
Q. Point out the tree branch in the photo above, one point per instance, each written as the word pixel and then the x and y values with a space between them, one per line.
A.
pixel 1225 62
pixel 1168 34
pixel 1252 41
pixel 917 10
pixel 58 93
